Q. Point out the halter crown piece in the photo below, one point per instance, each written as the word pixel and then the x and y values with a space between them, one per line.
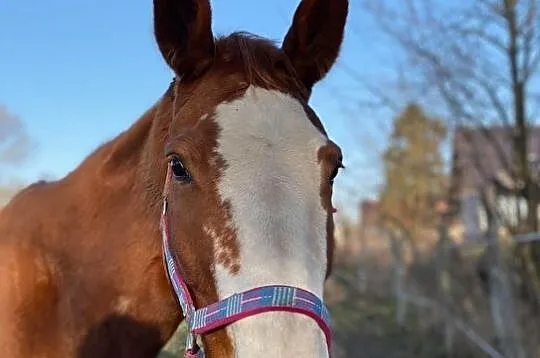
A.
pixel 238 306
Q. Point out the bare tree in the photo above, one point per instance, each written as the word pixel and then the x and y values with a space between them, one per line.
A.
pixel 480 59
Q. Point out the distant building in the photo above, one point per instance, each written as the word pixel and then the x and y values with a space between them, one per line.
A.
pixel 350 235
pixel 372 241
pixel 369 217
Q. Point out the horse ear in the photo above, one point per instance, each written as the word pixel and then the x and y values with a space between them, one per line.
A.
pixel 183 32
pixel 314 40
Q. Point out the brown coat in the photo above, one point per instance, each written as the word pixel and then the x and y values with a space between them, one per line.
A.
pixel 81 271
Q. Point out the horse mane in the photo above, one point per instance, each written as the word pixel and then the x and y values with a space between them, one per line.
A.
pixel 260 60
pixel 263 63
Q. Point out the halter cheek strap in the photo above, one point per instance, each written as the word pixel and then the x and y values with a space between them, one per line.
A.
pixel 238 306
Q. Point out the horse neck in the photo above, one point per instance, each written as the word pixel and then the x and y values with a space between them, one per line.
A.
pixel 118 190
pixel 130 167
pixel 120 212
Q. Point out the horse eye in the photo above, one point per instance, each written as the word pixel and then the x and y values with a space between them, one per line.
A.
pixel 334 174
pixel 179 170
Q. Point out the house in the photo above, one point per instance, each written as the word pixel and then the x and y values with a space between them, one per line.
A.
pixel 483 159
pixel 372 241
pixel 369 217
pixel 352 237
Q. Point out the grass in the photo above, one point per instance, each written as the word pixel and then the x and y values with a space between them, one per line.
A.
pixel 175 347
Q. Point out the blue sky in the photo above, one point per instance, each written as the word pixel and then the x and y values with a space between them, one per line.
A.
pixel 79 72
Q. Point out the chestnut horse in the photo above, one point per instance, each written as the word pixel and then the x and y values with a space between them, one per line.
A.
pixel 249 203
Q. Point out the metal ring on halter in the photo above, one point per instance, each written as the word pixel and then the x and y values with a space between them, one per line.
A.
pixel 193 350
pixel 191 341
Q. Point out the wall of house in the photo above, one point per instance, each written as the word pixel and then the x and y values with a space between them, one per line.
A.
pixel 473 215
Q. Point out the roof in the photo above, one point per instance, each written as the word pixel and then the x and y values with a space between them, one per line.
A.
pixel 481 155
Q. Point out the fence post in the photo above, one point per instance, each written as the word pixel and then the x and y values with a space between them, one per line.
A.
pixel 444 286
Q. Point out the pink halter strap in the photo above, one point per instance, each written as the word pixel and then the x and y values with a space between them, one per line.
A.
pixel 238 306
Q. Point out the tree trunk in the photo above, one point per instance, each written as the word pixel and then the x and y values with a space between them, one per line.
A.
pixel 398 276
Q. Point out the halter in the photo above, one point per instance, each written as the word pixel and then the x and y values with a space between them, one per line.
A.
pixel 238 306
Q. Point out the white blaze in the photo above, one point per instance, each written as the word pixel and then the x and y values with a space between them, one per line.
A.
pixel 272 180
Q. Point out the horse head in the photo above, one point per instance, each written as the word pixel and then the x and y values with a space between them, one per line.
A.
pixel 250 167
